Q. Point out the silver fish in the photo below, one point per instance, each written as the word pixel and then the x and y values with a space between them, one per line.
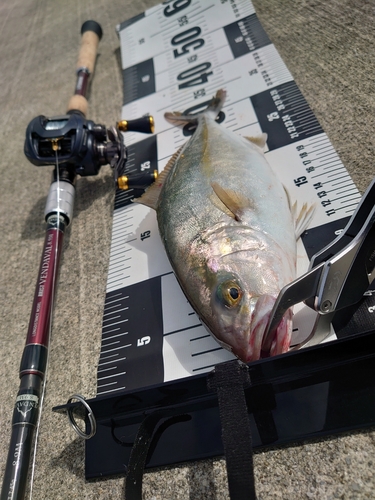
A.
pixel 228 230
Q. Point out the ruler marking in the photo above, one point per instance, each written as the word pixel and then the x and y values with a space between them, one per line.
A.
pixel 202 337
pixel 334 170
pixel 111 343
pixel 114 336
pixel 110 319
pixel 318 141
pixel 111 282
pixel 342 177
pixel 107 369
pixel 117 323
pixel 337 190
pixel 117 348
pixel 239 128
pixel 120 272
pixel 170 25
pixel 110 356
pixel 119 269
pixel 106 385
pixel 110 331
pixel 347 191
pixel 203 368
pixel 116 261
pixel 311 129
pixel 345 199
pixel 182 330
pixel 116 300
pixel 113 361
pixel 116 254
pixel 118 244
pixel 122 309
pixel 111 376
pixel 324 147
pixel 206 352
pixel 117 224
pixel 112 390
pixel 328 155
pixel 119 266
pixel 331 163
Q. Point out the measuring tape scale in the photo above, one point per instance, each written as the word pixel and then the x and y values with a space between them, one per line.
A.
pixel 150 332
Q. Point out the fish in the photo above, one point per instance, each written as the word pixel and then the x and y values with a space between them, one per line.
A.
pixel 229 230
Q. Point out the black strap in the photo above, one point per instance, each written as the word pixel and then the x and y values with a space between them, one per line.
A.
pixel 228 380
pixel 146 438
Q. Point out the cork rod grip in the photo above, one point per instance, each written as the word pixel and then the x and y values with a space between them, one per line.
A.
pixel 88 50
pixel 91 35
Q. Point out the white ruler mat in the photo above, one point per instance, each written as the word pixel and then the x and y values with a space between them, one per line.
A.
pixel 175 57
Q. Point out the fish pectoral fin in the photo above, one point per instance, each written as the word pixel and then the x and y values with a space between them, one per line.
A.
pixel 151 196
pixel 259 140
pixel 301 215
pixel 235 203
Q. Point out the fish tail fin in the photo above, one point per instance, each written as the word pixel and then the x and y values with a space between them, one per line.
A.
pixel 213 109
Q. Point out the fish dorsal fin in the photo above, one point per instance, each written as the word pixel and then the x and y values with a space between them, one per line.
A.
pixel 234 202
pixel 213 109
pixel 150 197
pixel 301 216
pixel 259 140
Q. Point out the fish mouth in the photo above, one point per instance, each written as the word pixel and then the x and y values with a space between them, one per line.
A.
pixel 259 322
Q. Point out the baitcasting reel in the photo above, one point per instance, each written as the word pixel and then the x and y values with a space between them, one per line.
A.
pixel 85 146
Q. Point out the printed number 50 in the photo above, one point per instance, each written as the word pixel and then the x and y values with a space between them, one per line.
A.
pixel 143 341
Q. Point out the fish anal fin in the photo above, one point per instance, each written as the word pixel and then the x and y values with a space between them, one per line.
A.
pixel 235 202
pixel 259 140
pixel 302 217
pixel 151 196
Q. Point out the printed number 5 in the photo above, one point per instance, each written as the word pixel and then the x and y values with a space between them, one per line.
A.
pixel 143 341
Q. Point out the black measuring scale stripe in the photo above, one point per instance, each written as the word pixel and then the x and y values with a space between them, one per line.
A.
pixel 179 67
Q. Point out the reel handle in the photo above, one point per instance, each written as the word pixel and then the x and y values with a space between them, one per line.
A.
pixel 91 34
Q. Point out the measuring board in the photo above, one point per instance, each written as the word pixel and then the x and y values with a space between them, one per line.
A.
pixel 175 57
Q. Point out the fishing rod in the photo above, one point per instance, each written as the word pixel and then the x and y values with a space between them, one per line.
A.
pixel 75 146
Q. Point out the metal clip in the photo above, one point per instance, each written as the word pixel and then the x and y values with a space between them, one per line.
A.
pixel 338 275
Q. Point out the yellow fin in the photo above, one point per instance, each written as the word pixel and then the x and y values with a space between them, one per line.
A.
pixel 259 140
pixel 234 202
pixel 150 197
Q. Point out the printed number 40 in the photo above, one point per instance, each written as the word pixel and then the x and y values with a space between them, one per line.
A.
pixel 143 341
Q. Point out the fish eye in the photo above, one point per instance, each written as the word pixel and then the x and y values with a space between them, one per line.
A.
pixel 229 293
